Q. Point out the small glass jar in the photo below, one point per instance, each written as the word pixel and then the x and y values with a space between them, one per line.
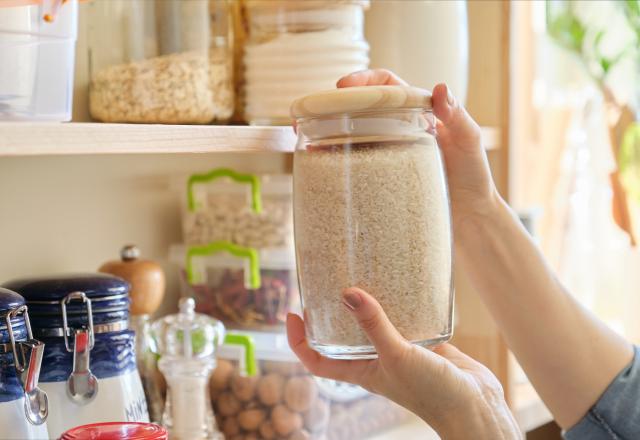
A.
pixel 297 47
pixel 161 61
pixel 371 210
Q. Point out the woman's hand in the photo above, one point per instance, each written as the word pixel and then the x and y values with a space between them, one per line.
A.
pixel 455 395
pixel 471 187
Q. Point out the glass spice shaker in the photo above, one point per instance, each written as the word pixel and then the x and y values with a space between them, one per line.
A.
pixel 187 343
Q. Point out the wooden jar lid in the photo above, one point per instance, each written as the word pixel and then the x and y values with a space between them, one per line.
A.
pixel 302 5
pixel 356 99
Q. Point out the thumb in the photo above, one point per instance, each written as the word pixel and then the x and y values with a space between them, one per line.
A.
pixel 374 322
pixel 457 130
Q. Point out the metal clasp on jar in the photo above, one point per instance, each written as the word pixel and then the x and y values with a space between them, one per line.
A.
pixel 27 357
pixel 82 385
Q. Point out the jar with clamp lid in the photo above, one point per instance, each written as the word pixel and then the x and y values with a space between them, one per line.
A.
pixel 89 368
pixel 23 406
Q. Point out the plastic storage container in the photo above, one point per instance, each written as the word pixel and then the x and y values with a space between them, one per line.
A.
pixel 371 210
pixel 37 50
pixel 161 61
pixel 282 401
pixel 23 406
pixel 89 365
pixel 242 287
pixel 245 209
pixel 298 47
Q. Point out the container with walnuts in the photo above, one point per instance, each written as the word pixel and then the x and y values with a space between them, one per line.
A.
pixel 281 402
pixel 284 402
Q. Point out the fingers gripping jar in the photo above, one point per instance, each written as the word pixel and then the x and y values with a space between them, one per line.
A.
pixel 371 210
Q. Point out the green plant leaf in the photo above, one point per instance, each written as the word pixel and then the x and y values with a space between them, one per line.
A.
pixel 563 26
pixel 629 160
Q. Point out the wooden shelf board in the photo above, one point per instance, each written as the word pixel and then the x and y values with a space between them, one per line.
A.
pixel 42 139
pixel 30 139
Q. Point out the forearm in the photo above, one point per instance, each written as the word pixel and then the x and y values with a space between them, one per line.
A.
pixel 486 420
pixel 568 354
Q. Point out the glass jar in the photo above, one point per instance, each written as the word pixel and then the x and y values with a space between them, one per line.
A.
pixel 161 61
pixel 37 52
pixel 89 365
pixel 371 210
pixel 297 47
pixel 23 406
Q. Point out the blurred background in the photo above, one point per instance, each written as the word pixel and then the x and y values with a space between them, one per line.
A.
pixel 554 85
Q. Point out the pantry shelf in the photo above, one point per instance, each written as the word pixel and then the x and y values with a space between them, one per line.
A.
pixel 42 139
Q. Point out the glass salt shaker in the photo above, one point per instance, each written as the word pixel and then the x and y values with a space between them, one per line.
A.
pixel 187 343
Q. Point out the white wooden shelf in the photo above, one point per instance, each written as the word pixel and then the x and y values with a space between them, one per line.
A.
pixel 41 139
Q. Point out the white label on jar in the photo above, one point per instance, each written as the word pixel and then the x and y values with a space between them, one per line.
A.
pixel 15 425
pixel 119 399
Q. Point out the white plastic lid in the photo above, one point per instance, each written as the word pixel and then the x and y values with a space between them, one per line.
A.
pixel 269 346
pixel 270 259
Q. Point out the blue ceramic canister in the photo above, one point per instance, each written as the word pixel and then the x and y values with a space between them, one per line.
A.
pixel 23 406
pixel 89 366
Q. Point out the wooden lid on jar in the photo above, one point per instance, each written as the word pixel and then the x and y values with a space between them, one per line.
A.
pixel 302 5
pixel 357 99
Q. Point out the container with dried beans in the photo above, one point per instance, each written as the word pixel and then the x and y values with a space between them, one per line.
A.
pixel 243 287
pixel 245 209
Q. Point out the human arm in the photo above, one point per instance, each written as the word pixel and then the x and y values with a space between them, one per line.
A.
pixel 569 355
pixel 453 393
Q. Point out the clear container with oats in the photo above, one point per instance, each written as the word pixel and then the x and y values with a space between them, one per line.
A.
pixel 161 61
pixel 371 210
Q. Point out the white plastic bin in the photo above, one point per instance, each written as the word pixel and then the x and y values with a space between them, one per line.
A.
pixel 37 51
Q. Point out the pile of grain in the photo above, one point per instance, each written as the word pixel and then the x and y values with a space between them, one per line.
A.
pixel 179 88
pixel 374 216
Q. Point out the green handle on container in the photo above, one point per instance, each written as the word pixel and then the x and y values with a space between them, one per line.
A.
pixel 249 350
pixel 252 179
pixel 249 253
pixel 629 160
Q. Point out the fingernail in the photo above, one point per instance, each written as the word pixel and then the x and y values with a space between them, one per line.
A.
pixel 351 300
pixel 450 99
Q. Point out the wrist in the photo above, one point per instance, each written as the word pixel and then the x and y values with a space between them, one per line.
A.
pixel 480 422
pixel 471 223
